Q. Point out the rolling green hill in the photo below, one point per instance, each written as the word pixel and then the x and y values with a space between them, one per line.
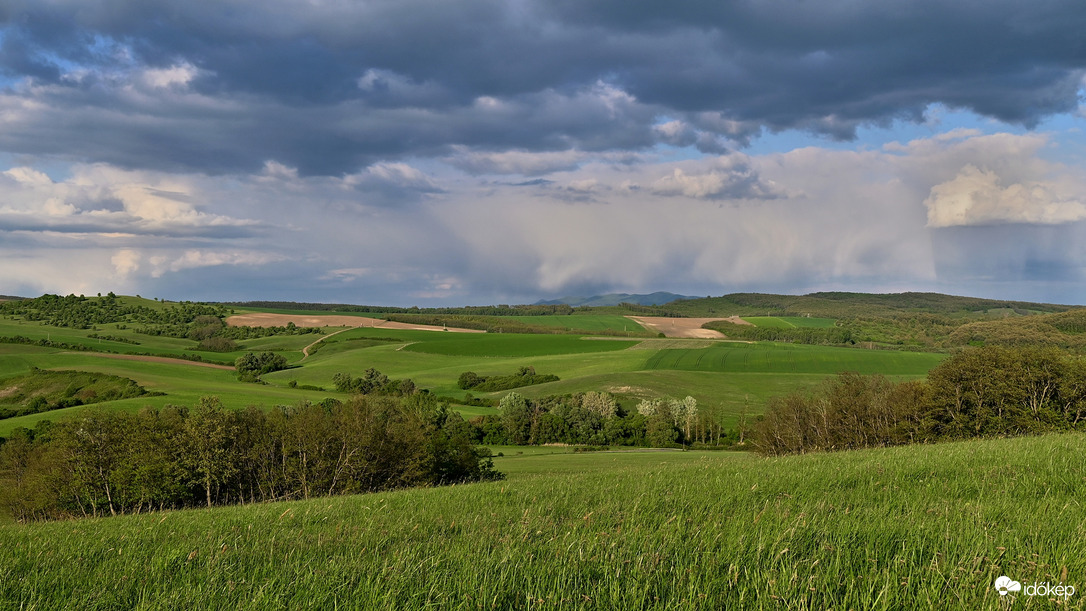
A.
pixel 901 528
pixel 841 305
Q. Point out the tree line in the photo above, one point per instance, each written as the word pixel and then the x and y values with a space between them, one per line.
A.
pixel 798 335
pixel 108 462
pixel 81 312
pixel 979 392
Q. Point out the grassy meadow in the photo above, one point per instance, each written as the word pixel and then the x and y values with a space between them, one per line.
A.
pixel 927 527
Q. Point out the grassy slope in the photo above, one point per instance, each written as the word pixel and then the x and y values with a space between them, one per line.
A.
pixel 183 383
pixel 904 528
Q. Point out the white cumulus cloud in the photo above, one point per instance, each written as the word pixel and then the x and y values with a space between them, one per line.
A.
pixel 978 196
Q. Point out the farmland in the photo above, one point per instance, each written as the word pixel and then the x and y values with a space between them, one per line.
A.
pixel 730 377
pixel 591 322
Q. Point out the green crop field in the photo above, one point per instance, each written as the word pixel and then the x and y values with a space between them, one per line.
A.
pixel 497 344
pixel 181 383
pixel 766 357
pixel 927 527
pixel 790 322
pixel 582 322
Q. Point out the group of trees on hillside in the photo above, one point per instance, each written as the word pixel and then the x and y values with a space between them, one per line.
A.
pixel 525 376
pixel 251 366
pixel 596 419
pixel 801 335
pixel 980 392
pixel 81 312
pixel 373 382
pixel 109 462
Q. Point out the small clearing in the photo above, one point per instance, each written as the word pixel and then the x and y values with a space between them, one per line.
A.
pixel 268 319
pixel 684 327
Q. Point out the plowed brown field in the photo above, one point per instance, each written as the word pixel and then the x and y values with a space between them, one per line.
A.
pixel 267 319
pixel 684 327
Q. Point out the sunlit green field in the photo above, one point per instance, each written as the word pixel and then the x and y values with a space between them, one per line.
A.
pixel 790 322
pixel 183 383
pixel 512 345
pixel 766 357
pixel 921 527
pixel 584 322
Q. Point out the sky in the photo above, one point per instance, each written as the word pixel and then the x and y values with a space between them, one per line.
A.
pixel 408 152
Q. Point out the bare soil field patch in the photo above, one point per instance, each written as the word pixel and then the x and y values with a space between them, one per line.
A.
pixel 684 327
pixel 267 319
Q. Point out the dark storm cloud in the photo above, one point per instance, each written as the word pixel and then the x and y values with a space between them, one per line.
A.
pixel 331 87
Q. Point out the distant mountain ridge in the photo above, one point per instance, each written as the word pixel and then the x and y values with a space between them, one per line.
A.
pixel 613 299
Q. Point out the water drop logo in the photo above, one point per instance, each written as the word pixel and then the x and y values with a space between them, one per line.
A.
pixel 1005 584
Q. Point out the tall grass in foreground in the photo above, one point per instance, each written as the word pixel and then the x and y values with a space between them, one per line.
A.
pixel 901 528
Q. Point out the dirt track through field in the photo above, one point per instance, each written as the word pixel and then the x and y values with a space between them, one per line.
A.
pixel 684 327
pixel 268 319
pixel 305 351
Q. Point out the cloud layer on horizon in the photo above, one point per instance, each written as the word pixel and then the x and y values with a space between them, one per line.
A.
pixel 477 151
pixel 805 219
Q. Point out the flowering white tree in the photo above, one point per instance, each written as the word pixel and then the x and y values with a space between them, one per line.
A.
pixel 648 407
pixel 599 402
pixel 683 411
